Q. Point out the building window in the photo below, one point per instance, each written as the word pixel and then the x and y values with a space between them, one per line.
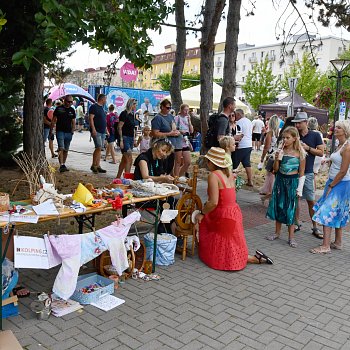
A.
pixel 253 54
pixel 195 68
pixel 243 79
pixel 167 66
pixel 217 70
pixel 272 52
pixel 244 56
pixel 243 68
pixel 188 63
pixel 161 71
pixel 262 54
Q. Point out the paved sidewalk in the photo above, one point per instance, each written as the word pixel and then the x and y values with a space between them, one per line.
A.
pixel 300 302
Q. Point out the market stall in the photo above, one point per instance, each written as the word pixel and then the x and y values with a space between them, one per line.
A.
pixel 48 205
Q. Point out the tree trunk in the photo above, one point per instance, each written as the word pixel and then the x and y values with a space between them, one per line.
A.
pixel 33 111
pixel 180 54
pixel 231 50
pixel 211 19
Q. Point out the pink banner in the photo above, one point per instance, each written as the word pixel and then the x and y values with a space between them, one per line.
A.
pixel 128 72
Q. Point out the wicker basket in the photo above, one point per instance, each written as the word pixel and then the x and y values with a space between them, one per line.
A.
pixel 4 201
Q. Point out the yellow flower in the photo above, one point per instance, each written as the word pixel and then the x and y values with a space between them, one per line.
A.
pixel 52 169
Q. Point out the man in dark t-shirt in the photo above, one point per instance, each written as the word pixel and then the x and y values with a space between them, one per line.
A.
pixel 98 129
pixel 313 145
pixel 64 120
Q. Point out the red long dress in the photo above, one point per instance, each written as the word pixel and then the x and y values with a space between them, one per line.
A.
pixel 222 245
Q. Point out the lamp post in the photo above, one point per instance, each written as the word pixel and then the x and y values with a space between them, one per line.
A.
pixel 292 83
pixel 339 65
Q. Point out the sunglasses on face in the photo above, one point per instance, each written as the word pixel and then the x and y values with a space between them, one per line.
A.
pixel 69 101
pixel 168 107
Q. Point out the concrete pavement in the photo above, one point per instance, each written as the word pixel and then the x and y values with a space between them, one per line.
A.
pixel 300 302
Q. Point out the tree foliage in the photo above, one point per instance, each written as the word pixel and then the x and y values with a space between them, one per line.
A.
pixel 10 121
pixel 187 81
pixel 261 85
pixel 328 9
pixel 310 79
pixel 37 31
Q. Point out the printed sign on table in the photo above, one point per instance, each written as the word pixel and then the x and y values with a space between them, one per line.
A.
pixel 30 253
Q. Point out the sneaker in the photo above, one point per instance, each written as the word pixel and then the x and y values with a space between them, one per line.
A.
pixel 100 170
pixel 94 169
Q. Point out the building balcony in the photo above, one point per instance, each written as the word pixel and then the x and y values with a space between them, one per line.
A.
pixel 218 63
pixel 271 57
pixel 253 59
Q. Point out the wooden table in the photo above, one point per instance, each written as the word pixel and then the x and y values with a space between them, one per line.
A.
pixel 86 218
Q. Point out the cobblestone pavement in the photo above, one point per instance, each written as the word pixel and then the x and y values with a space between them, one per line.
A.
pixel 300 302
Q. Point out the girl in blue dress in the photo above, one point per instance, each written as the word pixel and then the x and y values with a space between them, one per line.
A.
pixel 289 166
pixel 332 209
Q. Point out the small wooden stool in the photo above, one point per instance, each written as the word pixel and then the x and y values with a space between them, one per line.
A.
pixel 183 233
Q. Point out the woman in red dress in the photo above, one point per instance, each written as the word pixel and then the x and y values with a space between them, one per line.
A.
pixel 222 245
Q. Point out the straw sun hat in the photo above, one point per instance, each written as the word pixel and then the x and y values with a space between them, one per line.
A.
pixel 217 156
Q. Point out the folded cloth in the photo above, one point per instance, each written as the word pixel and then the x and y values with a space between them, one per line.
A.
pixel 168 215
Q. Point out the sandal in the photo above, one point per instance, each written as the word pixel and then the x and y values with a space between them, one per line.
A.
pixel 292 243
pixel 18 289
pixel 317 233
pixel 260 255
pixel 297 227
pixel 320 250
pixel 336 246
pixel 272 237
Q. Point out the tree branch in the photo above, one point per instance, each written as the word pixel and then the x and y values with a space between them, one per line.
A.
pixel 181 27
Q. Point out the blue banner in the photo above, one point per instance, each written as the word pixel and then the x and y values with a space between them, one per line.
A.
pixel 119 96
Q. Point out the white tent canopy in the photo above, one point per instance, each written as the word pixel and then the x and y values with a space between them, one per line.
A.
pixel 191 96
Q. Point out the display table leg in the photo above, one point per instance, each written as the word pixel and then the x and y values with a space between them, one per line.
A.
pixel 156 222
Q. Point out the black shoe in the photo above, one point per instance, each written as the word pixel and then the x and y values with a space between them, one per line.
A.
pixel 63 168
pixel 94 169
pixel 100 170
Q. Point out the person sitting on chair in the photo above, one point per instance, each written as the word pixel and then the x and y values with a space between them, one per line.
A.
pixel 152 164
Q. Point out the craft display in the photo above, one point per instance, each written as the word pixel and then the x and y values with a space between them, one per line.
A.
pixel 150 187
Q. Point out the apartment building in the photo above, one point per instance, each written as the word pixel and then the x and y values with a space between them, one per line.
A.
pixel 325 49
pixel 163 63
pixel 93 76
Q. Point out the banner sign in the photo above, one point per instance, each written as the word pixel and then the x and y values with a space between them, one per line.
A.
pixel 128 72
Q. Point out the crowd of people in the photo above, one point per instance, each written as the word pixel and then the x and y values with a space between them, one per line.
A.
pixel 292 152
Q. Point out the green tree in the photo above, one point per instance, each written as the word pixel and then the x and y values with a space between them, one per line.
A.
pixel 261 85
pixel 10 120
pixel 37 31
pixel 187 81
pixel 310 79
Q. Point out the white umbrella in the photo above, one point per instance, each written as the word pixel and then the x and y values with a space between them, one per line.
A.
pixel 191 96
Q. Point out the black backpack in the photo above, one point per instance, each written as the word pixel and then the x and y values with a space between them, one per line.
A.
pixel 211 137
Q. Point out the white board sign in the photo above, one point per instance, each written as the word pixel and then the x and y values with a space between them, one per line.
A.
pixel 30 253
